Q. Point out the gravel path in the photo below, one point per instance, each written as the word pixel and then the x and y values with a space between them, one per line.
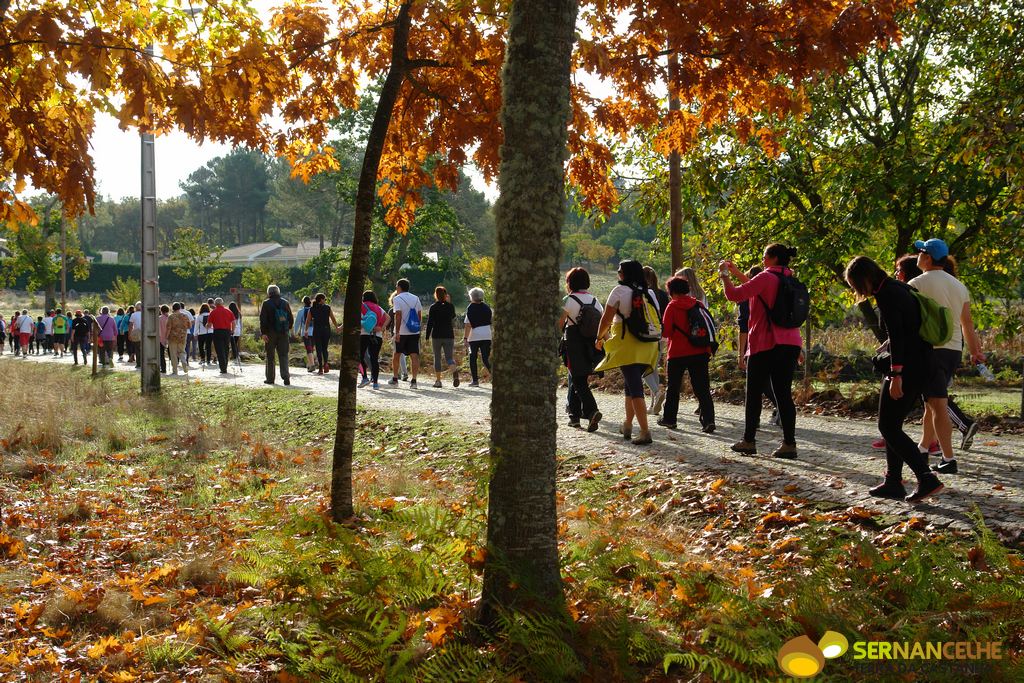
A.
pixel 836 464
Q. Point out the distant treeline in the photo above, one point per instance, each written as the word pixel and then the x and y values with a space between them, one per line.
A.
pixel 101 278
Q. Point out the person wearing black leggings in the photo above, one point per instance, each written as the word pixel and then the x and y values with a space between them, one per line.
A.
pixel 323 320
pixel 743 323
pixel 370 341
pixel 204 333
pixel 772 350
pixel 477 333
pixel 911 372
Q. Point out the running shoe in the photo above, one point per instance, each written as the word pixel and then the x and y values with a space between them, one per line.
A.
pixel 968 439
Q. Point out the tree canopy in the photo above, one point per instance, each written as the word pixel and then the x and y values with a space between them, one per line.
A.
pixel 222 74
pixel 887 153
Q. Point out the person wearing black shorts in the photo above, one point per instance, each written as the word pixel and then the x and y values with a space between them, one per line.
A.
pixel 408 315
pixel 940 285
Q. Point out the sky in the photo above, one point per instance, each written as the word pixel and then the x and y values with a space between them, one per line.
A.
pixel 116 152
pixel 118 164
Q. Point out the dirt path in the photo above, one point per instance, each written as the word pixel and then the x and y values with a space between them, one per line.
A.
pixel 836 464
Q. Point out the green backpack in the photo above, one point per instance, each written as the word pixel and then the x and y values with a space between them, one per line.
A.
pixel 936 320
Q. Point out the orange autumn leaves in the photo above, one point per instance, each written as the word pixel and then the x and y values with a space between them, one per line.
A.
pixel 276 83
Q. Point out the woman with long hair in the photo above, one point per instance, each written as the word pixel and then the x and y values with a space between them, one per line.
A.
pixel 743 325
pixel 910 370
pixel 236 332
pixel 633 356
pixel 323 322
pixel 441 334
pixel 696 291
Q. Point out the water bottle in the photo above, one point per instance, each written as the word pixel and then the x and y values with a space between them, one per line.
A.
pixel 985 373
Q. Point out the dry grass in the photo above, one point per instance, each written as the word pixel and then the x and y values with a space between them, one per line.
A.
pixel 202 572
pixel 81 511
pixel 42 411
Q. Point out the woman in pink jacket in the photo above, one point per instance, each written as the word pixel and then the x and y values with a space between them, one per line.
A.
pixel 772 350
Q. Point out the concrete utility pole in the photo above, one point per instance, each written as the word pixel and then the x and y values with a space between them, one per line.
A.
pixel 150 344
pixel 63 261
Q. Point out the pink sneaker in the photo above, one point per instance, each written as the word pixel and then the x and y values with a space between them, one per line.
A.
pixel 934 448
pixel 878 444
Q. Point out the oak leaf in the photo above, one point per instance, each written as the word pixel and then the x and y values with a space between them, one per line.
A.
pixel 103 647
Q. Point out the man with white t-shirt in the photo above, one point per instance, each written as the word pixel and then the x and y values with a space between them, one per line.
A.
pixel 408 317
pixel 947 291
pixel 26 327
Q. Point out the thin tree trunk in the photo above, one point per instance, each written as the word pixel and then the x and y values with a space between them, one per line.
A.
pixel 338 215
pixel 522 569
pixel 675 203
pixel 344 434
pixel 50 296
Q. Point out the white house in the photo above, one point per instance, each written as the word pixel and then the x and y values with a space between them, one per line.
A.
pixel 271 253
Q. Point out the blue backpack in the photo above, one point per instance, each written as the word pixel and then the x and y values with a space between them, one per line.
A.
pixel 369 320
pixel 412 323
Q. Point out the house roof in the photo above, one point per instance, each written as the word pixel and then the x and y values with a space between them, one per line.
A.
pixel 249 252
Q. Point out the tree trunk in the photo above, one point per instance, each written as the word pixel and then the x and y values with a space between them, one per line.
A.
pixel 344 434
pixel 50 296
pixel 338 216
pixel 675 203
pixel 522 570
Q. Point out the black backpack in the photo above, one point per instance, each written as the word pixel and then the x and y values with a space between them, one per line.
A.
pixel 588 320
pixel 792 303
pixel 644 321
pixel 700 328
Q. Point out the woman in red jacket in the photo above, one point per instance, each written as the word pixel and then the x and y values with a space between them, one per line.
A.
pixel 688 350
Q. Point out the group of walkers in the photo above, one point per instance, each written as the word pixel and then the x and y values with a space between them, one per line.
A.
pixel 211 333
pixel 57 332
pixel 922 322
pixel 185 335
pixel 642 326
pixel 314 323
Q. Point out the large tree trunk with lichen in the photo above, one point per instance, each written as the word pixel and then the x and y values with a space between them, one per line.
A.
pixel 344 434
pixel 522 568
